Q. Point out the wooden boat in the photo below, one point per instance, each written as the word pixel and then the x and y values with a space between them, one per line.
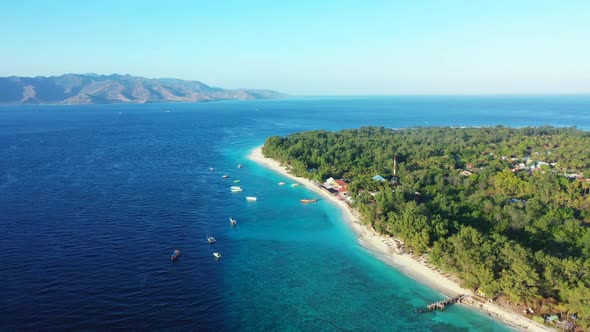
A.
pixel 175 255
pixel 251 198
pixel 211 239
pixel 217 255
pixel 232 221
pixel 308 200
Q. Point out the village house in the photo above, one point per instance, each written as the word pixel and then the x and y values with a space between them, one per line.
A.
pixel 341 185
pixel 331 186
pixel 378 178
pixel 466 173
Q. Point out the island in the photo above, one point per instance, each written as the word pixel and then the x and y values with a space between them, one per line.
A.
pixel 499 214
pixel 108 89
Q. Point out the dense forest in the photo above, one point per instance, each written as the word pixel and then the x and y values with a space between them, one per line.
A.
pixel 507 210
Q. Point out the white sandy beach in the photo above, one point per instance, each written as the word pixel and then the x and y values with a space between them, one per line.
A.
pixel 382 247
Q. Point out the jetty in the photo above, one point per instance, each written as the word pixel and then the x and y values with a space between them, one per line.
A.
pixel 441 305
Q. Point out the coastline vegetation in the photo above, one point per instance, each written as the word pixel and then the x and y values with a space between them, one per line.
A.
pixel 506 210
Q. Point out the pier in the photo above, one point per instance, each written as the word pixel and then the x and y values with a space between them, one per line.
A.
pixel 441 305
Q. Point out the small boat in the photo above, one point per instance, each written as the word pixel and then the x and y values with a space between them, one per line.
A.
pixel 225 176
pixel 251 198
pixel 232 221
pixel 295 185
pixel 308 200
pixel 217 255
pixel 211 169
pixel 175 255
pixel 236 181
pixel 211 239
pixel 240 166
pixel 281 183
pixel 235 189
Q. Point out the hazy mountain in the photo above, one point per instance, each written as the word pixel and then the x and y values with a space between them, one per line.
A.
pixel 101 89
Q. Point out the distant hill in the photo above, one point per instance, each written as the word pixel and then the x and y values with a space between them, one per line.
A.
pixel 105 89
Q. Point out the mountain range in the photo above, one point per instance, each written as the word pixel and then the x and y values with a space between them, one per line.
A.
pixel 105 89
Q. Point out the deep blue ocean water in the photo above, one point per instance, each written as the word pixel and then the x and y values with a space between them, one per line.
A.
pixel 94 199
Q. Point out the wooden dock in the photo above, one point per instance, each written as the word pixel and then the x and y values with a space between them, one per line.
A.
pixel 441 305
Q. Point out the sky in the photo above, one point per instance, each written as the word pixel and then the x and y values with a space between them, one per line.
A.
pixel 309 47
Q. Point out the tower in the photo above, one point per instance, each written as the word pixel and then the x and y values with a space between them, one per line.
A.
pixel 395 178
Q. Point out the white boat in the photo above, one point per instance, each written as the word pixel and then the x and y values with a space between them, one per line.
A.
pixel 251 198
pixel 211 169
pixel 211 239
pixel 235 189
pixel 217 255
pixel 295 185
pixel 240 166
pixel 308 200
pixel 281 183
pixel 232 220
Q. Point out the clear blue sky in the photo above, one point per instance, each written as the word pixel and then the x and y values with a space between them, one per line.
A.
pixel 309 47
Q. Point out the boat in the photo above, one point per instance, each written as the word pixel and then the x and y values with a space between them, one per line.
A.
pixel 240 166
pixel 295 185
pixel 217 255
pixel 211 239
pixel 211 169
pixel 281 183
pixel 232 221
pixel 235 189
pixel 251 198
pixel 225 176
pixel 175 255
pixel 236 181
pixel 308 200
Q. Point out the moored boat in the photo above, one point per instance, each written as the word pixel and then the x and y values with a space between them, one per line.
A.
pixel 236 181
pixel 308 200
pixel 295 185
pixel 235 189
pixel 175 255
pixel 232 221
pixel 281 183
pixel 211 239
pixel 240 166
pixel 251 198
pixel 211 169
pixel 217 255
pixel 225 176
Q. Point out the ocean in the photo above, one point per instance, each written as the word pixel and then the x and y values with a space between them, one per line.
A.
pixel 94 199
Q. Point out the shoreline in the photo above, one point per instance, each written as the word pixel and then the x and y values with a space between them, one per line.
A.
pixel 416 268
